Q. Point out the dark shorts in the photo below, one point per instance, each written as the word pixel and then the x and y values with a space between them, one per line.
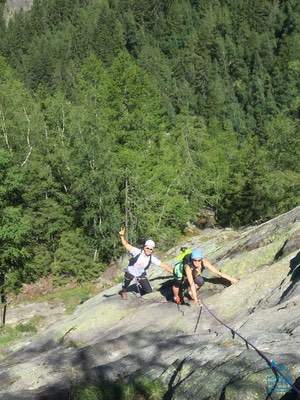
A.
pixel 199 280
pixel 143 286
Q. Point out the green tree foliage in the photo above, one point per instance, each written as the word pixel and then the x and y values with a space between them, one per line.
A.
pixel 141 113
pixel 15 227
pixel 96 180
pixel 73 257
pixel 108 36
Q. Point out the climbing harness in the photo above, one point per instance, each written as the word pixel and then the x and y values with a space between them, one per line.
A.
pixel 136 281
pixel 270 363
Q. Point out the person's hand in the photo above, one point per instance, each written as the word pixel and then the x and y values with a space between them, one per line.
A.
pixel 196 303
pixel 167 267
pixel 122 232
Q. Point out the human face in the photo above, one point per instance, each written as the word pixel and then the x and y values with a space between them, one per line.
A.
pixel 197 262
pixel 148 250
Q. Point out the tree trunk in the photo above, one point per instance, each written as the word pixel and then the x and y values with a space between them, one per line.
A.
pixel 126 206
pixel 96 252
pixel 3 299
pixel 3 319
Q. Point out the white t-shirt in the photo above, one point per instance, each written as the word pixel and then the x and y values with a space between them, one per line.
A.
pixel 142 262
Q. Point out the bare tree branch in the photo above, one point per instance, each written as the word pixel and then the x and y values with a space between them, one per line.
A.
pixel 4 130
pixel 28 138
pixel 26 159
pixel 126 204
pixel 46 132
pixel 62 131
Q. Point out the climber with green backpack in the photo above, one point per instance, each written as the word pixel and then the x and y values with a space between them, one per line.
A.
pixel 187 273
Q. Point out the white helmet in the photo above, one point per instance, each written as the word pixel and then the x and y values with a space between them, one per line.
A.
pixel 149 243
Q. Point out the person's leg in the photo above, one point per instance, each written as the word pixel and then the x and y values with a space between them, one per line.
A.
pixel 126 282
pixel 145 286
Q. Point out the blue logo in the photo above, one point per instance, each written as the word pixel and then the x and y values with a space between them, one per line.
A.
pixel 284 382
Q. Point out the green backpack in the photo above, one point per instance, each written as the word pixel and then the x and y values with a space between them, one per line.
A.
pixel 178 271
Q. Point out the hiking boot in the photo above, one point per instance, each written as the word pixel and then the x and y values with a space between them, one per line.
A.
pixel 123 294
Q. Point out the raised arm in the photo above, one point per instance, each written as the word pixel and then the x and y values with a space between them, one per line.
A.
pixel 167 267
pixel 190 279
pixel 213 269
pixel 127 246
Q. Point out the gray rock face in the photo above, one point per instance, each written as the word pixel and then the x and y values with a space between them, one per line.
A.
pixel 14 6
pixel 108 339
pixel 25 312
pixel 17 5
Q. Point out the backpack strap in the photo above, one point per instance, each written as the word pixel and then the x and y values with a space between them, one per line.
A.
pixel 149 263
pixel 134 259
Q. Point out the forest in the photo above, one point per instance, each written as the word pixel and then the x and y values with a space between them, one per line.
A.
pixel 141 113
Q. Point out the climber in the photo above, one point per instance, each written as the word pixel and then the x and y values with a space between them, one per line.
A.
pixel 138 265
pixel 188 272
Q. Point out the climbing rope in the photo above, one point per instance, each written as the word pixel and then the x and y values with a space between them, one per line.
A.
pixel 198 319
pixel 270 363
pixel 179 309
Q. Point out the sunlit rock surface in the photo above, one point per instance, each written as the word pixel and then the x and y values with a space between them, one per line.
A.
pixel 13 6
pixel 108 339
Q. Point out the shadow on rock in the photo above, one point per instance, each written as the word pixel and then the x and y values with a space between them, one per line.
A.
pixel 131 289
pixel 294 266
pixel 218 281
pixel 295 276
pixel 166 290
pixel 292 395
pixel 172 385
